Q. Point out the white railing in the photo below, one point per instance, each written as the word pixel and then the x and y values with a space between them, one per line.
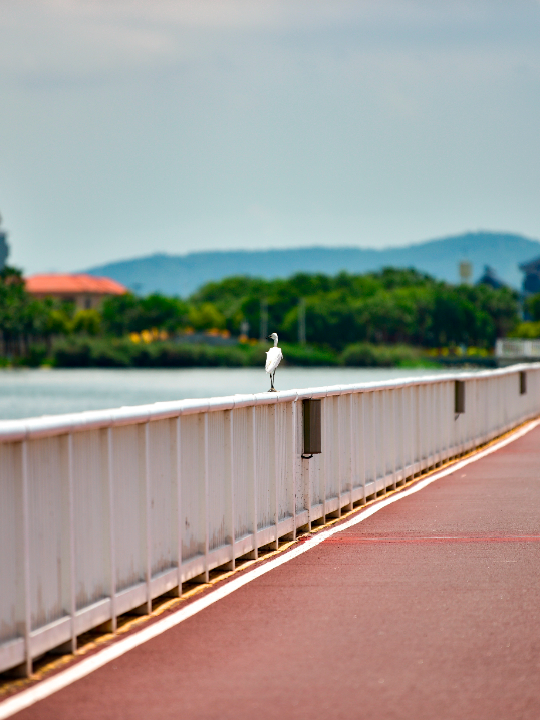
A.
pixel 514 348
pixel 101 512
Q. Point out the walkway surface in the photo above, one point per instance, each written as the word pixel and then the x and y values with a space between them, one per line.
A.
pixel 383 621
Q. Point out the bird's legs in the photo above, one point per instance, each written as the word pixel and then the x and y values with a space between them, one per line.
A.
pixel 272 388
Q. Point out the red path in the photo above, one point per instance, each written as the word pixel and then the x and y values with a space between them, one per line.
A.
pixel 382 621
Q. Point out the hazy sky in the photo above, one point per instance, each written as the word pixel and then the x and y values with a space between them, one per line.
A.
pixel 133 127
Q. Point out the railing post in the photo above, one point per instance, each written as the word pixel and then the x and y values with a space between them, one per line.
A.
pixel 438 425
pixel 362 434
pixel 71 539
pixel 338 444
pixel 402 423
pixel 478 435
pixel 473 432
pixel 449 415
pixel 500 420
pixel 426 430
pixel 206 502
pixel 229 438
pixel 392 403
pixel 255 480
pixel 325 443
pixel 112 550
pixel 322 470
pixel 431 425
pixel 277 457
pixel 27 670
pixel 376 430
pixel 179 523
pixel 413 426
pixel 386 435
pixel 353 446
pixel 438 430
pixel 306 477
pixel 148 517
pixel 294 460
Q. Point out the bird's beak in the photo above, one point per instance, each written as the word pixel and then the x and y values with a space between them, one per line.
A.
pixel 269 337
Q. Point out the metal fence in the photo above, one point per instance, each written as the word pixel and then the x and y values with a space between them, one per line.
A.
pixel 515 348
pixel 101 512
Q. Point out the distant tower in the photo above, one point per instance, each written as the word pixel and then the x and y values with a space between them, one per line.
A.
pixel 465 271
pixel 4 249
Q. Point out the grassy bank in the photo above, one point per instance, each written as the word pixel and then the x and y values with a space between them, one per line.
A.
pixel 85 352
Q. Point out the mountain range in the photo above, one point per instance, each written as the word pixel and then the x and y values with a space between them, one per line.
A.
pixel 183 274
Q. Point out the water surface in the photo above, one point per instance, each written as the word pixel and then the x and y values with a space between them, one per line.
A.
pixel 30 393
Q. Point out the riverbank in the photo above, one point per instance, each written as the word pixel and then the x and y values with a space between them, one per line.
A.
pixel 85 352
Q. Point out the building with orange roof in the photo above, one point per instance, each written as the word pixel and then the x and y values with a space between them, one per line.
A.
pixel 85 291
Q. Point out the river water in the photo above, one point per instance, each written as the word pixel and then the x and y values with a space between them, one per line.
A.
pixel 31 393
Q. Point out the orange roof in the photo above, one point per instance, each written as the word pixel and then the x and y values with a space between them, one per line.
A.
pixel 56 284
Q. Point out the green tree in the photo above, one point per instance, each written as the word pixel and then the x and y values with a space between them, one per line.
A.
pixel 119 313
pixel 205 317
pixel 532 305
pixel 22 317
pixel 393 305
pixel 122 314
pixel 87 322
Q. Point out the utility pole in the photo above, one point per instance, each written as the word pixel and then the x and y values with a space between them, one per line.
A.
pixel 302 321
pixel 264 319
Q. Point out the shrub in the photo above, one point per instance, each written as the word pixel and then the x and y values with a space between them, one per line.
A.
pixel 89 352
pixel 306 356
pixel 86 352
pixel 95 352
pixel 369 355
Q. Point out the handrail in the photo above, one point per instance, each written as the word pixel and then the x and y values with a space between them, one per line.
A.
pixel 48 425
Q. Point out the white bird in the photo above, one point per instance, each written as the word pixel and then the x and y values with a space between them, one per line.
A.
pixel 273 358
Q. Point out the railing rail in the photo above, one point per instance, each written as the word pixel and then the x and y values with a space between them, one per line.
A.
pixel 101 512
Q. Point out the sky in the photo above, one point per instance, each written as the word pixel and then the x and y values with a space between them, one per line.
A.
pixel 134 127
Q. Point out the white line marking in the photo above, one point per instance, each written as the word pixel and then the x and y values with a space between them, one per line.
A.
pixel 24 699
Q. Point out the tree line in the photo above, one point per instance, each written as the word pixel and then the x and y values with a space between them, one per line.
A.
pixel 390 306
pixel 393 306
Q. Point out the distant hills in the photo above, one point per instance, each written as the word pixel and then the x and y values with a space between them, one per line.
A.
pixel 183 274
